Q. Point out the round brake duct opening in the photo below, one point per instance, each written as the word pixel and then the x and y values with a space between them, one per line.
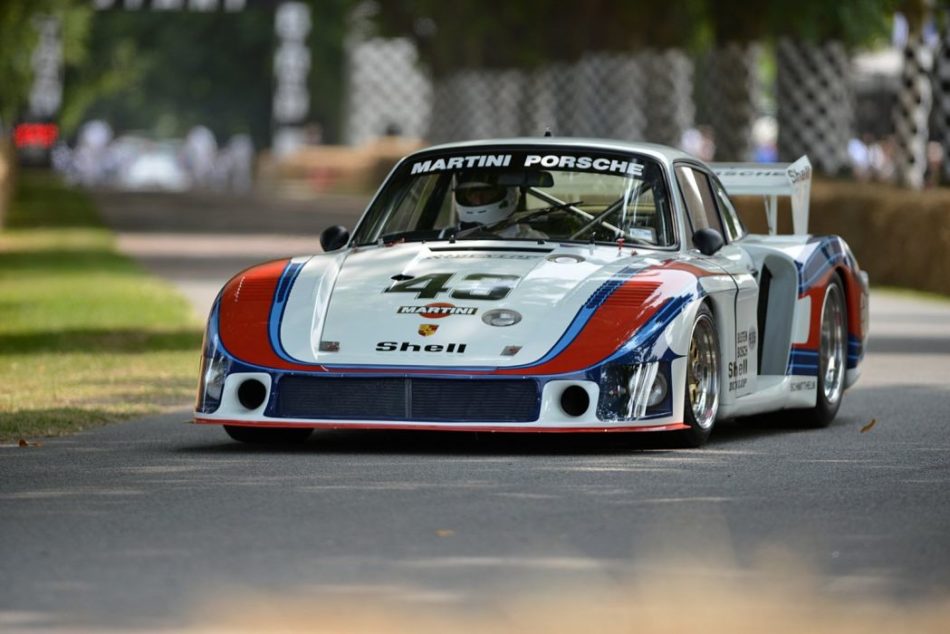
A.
pixel 251 393
pixel 574 400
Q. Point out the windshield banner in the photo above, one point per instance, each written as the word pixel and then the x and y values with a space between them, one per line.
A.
pixel 571 161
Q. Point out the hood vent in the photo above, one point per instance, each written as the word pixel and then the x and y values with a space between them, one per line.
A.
pixel 634 294
pixel 502 249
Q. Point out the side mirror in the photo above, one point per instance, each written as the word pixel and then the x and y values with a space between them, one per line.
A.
pixel 708 241
pixel 335 237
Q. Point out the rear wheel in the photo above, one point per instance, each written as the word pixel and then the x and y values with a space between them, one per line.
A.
pixel 268 435
pixel 832 356
pixel 702 380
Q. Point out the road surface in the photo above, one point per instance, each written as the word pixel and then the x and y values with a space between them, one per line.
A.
pixel 140 524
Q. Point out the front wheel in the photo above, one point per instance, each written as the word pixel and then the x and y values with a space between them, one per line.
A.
pixel 268 435
pixel 832 357
pixel 702 380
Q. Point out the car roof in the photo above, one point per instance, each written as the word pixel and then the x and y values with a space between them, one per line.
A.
pixel 663 153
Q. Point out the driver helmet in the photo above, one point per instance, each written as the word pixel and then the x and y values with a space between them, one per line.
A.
pixel 479 199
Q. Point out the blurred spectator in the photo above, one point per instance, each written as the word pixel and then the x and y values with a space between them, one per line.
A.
pixel 90 156
pixel 765 140
pixel 934 163
pixel 62 159
pixel 122 153
pixel 234 168
pixel 699 142
pixel 881 156
pixel 691 141
pixel 860 157
pixel 313 133
pixel 200 152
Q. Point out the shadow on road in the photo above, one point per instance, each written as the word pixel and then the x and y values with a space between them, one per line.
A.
pixel 422 443
pixel 393 442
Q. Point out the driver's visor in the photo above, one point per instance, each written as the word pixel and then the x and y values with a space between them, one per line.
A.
pixel 474 194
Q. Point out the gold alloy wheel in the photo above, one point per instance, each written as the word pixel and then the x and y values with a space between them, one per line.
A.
pixel 702 372
pixel 832 352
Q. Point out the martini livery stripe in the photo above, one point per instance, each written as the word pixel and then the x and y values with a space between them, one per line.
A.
pixel 634 300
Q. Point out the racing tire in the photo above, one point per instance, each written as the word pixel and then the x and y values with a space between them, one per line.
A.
pixel 832 357
pixel 268 435
pixel 703 372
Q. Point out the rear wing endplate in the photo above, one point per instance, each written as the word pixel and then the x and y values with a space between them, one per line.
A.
pixel 771 180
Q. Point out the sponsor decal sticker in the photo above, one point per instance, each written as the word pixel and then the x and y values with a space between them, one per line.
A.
pixel 585 163
pixel 481 256
pixel 807 384
pixel 437 310
pixel 611 163
pixel 796 176
pixel 461 162
pixel 427 330
pixel 739 370
pixel 408 346
pixel 758 173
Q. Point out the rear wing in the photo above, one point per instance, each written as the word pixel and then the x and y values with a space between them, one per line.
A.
pixel 771 180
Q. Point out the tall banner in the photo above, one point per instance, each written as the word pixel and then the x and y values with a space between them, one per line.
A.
pixel 291 68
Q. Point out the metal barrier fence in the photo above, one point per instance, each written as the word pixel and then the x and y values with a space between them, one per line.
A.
pixel 648 95
pixel 643 96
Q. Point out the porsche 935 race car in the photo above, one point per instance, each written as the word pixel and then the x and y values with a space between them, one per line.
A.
pixel 544 285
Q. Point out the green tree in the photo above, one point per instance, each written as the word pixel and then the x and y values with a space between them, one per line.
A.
pixel 18 37
pixel 472 34
pixel 854 23
pixel 164 73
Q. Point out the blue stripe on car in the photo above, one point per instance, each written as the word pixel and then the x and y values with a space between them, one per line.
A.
pixel 279 305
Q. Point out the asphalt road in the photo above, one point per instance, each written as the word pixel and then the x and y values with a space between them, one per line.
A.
pixel 140 524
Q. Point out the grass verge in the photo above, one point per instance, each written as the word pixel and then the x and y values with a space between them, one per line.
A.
pixel 86 336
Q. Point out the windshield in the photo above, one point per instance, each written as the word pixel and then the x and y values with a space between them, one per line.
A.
pixel 521 195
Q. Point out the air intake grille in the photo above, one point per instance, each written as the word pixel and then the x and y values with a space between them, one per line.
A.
pixel 475 400
pixel 633 294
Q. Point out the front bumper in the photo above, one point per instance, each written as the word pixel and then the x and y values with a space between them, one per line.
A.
pixel 423 402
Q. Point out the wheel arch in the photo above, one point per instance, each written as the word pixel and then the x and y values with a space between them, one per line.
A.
pixel 853 289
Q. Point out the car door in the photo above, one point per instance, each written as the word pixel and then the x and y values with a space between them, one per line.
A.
pixel 708 206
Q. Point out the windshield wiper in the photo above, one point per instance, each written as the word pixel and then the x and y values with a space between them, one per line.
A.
pixel 593 240
pixel 412 235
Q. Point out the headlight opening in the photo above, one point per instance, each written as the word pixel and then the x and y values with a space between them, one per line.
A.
pixel 630 392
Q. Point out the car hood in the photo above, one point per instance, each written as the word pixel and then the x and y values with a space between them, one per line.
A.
pixel 417 304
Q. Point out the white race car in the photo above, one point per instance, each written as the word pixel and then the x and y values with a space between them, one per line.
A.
pixel 543 285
